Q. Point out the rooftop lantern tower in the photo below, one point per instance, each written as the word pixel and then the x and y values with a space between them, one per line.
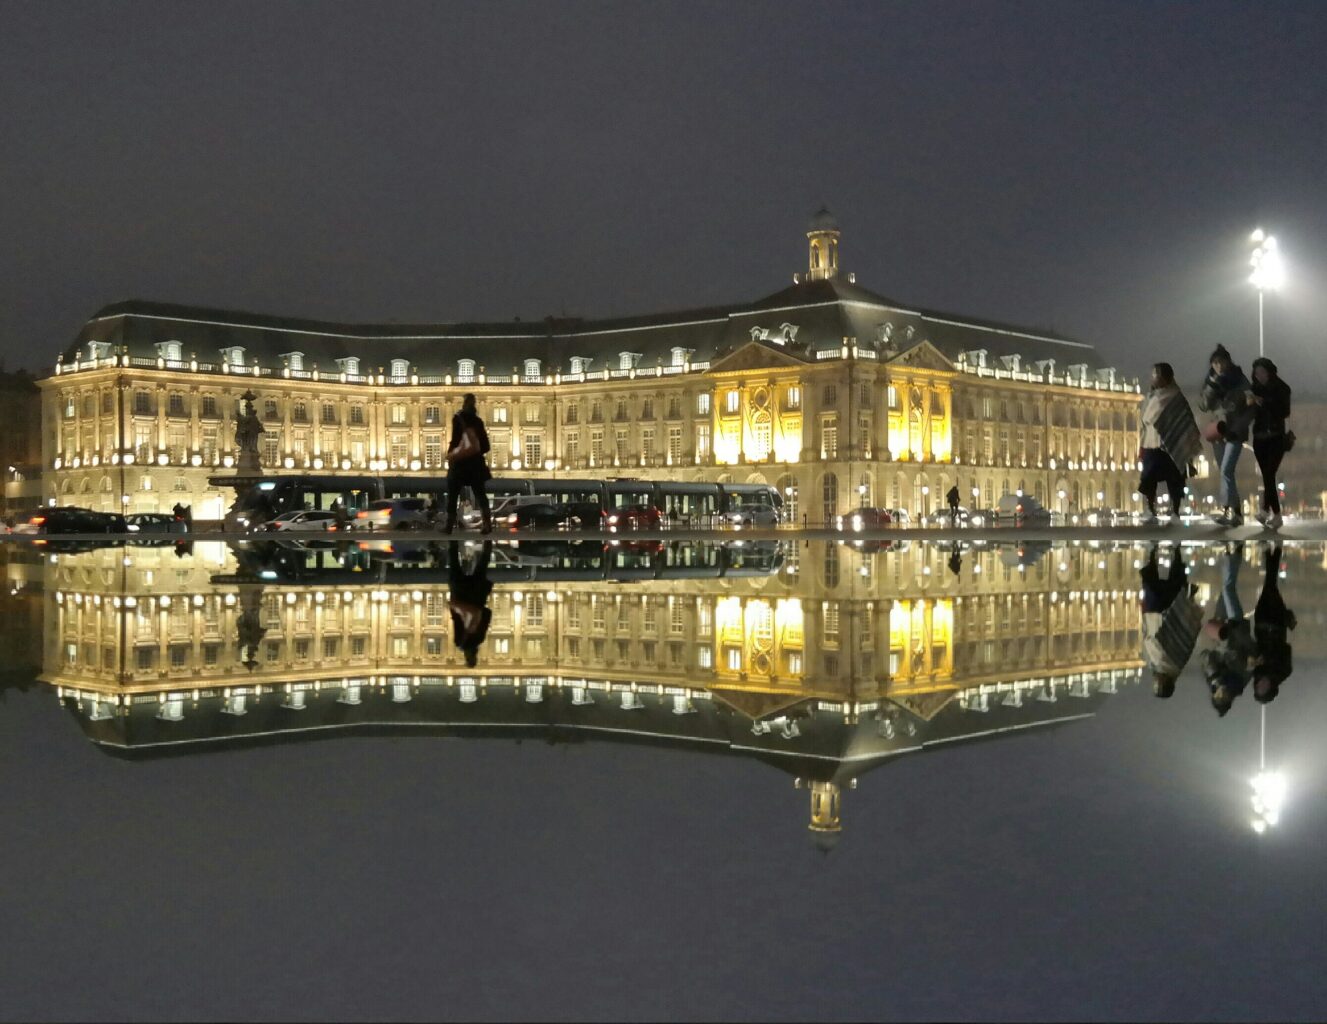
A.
pixel 823 247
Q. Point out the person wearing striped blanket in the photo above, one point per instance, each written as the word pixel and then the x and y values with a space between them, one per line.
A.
pixel 1169 442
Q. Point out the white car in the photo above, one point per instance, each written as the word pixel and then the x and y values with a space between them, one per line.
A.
pixel 302 522
pixel 393 514
pixel 1022 508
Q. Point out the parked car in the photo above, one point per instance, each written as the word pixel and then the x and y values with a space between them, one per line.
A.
pixel 156 522
pixel 1021 508
pixel 70 519
pixel 393 514
pixel 504 506
pixel 860 519
pixel 545 516
pixel 900 516
pixel 634 517
pixel 307 520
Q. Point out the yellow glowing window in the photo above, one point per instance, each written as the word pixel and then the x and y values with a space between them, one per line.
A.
pixel 732 401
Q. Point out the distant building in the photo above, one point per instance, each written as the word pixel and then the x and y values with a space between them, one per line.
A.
pixel 20 441
pixel 834 394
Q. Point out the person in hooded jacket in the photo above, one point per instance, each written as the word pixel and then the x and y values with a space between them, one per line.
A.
pixel 1271 401
pixel 1225 394
pixel 466 465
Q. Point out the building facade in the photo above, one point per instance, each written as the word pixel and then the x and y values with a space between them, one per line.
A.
pixel 834 394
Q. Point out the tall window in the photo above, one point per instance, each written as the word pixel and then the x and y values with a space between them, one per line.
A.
pixel 534 450
pixel 829 438
pixel 142 403
pixel 399 415
pixel 732 401
pixel 357 415
pixel 647 444
pixel 432 451
pixel 596 447
pixel 829 500
pixel 175 405
pixel 703 404
pixel 794 396
pixel 703 441
pixel 432 414
pixel 329 414
pixel 209 407
pixel 647 409
pixel 674 445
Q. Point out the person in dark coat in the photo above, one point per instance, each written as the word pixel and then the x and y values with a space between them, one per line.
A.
pixel 1225 394
pixel 468 468
pixel 1272 622
pixel 1271 400
pixel 468 600
pixel 952 497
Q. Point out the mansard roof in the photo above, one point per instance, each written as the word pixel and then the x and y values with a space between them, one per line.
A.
pixel 806 317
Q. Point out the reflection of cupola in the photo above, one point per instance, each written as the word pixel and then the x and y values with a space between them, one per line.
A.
pixel 823 247
pixel 825 797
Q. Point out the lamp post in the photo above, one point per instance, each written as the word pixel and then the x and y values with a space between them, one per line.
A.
pixel 1268 272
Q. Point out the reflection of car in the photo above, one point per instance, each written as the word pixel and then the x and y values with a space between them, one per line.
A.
pixel 860 519
pixel 156 522
pixel 393 514
pixel 301 522
pixel 70 519
pixel 634 517
pixel 545 516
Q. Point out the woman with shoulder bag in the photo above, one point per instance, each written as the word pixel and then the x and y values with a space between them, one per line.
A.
pixel 1271 440
pixel 1225 393
pixel 466 465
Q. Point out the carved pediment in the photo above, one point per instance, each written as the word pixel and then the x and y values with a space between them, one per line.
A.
pixel 755 355
pixel 924 356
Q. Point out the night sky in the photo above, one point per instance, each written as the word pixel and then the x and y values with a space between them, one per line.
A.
pixel 1094 169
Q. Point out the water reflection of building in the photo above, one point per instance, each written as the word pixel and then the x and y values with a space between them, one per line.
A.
pixel 816 669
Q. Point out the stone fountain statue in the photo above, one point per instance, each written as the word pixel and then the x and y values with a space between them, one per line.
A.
pixel 248 432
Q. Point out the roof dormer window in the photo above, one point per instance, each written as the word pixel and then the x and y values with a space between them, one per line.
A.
pixel 627 360
pixel 170 350
pixel 465 371
pixel 294 360
pixel 99 349
pixel 349 365
pixel 580 364
pixel 680 355
pixel 233 355
pixel 400 370
pixel 532 373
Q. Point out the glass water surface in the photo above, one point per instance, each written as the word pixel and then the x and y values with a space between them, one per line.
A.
pixel 646 780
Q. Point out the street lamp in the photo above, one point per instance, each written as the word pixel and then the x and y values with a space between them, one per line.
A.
pixel 1268 272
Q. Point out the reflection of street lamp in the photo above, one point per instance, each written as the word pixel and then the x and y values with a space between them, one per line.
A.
pixel 1269 788
pixel 861 493
pixel 1269 273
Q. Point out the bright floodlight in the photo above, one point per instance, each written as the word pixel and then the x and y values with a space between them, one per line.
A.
pixel 1269 795
pixel 1268 270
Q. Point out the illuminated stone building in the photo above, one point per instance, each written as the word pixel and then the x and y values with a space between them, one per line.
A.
pixel 815 667
pixel 831 392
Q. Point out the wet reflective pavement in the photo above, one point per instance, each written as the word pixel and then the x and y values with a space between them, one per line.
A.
pixel 645 778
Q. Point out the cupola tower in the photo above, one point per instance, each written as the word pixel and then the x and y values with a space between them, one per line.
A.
pixel 822 237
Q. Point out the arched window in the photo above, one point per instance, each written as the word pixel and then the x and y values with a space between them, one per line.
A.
pixel 294 360
pixel 815 255
pixel 532 370
pixel 465 371
pixel 349 365
pixel 679 356
pixel 829 498
pixel 579 364
pixel 234 355
pixel 171 350
pixel 400 370
pixel 627 360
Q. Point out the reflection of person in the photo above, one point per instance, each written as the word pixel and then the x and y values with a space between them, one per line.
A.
pixel 1168 442
pixel 1272 621
pixel 468 600
pixel 466 465
pixel 956 561
pixel 1171 621
pixel 1226 665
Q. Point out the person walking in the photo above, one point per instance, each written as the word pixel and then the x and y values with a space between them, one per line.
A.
pixel 1225 394
pixel 1169 442
pixel 466 465
pixel 1271 440
pixel 951 496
